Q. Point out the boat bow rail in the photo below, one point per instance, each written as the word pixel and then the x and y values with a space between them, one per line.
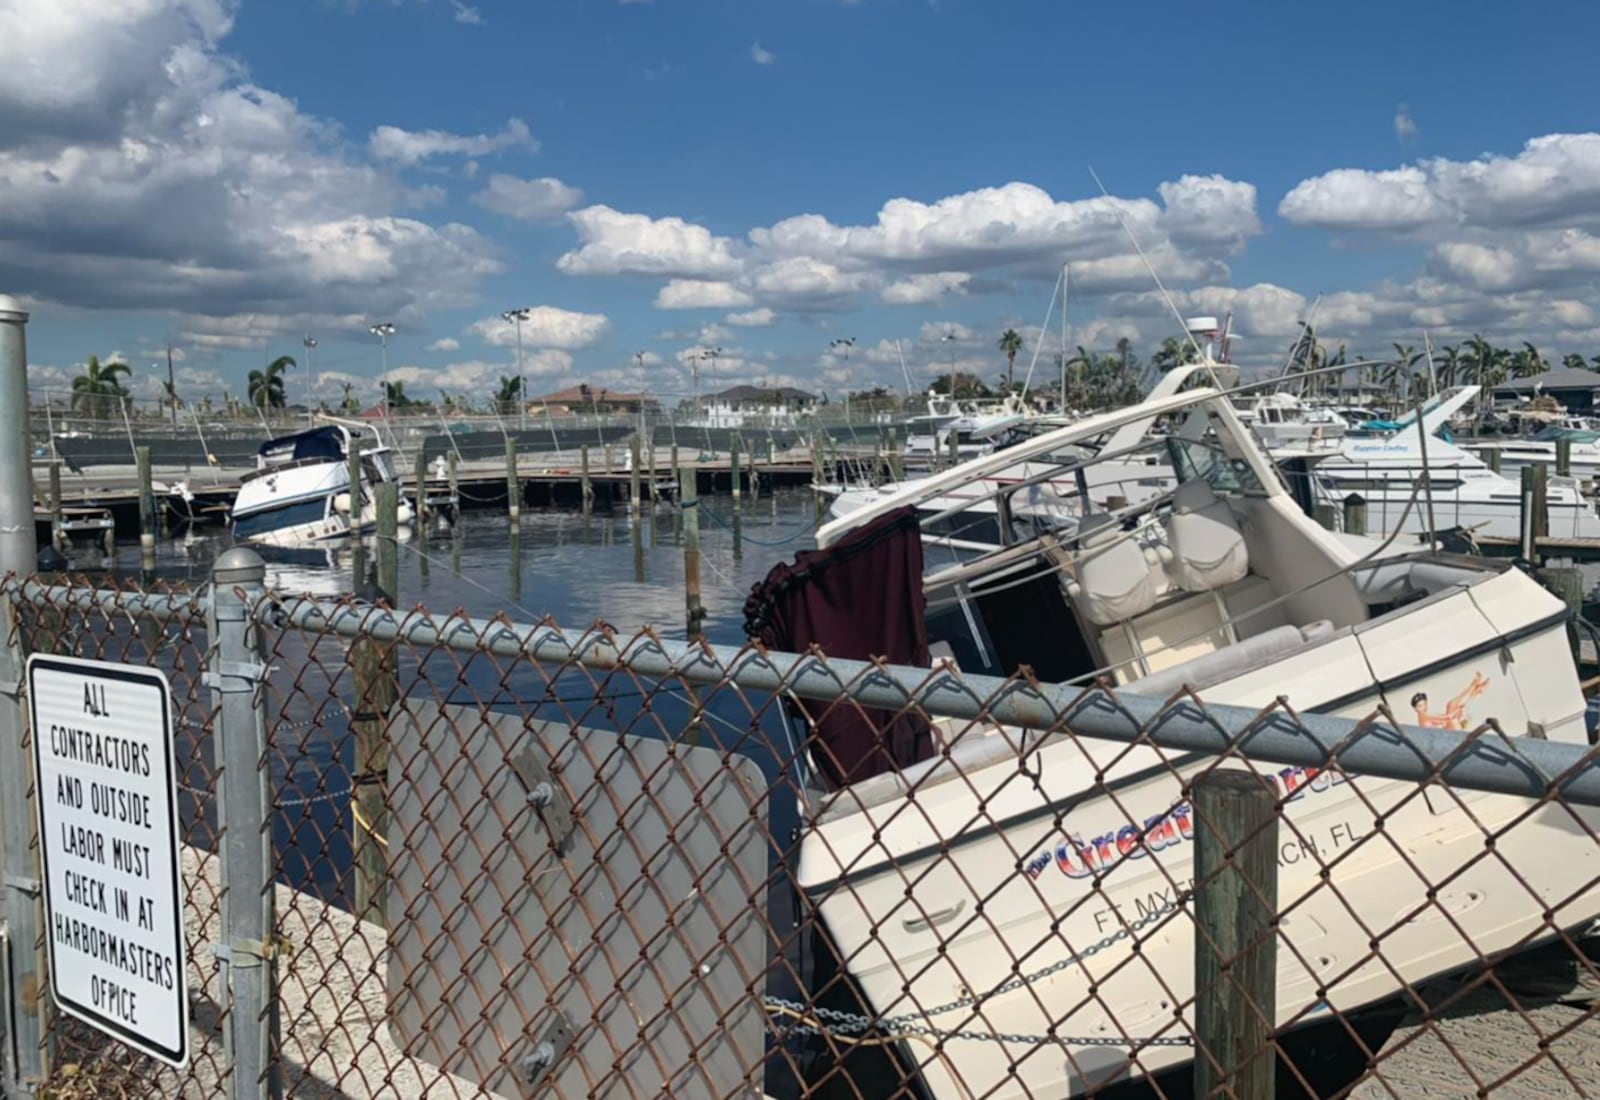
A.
pixel 482 854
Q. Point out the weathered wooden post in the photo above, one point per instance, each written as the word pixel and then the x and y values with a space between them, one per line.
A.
pixel 1541 501
pixel 733 467
pixel 1326 515
pixel 676 474
pixel 58 533
pixel 585 489
pixel 1236 944
pixel 513 483
pixel 377 688
pixel 689 502
pixel 955 448
pixel 388 505
pixel 1492 457
pixel 896 467
pixel 147 511
pixel 358 551
pixel 1355 514
pixel 1527 529
pixel 422 487
pixel 633 474
pixel 1564 457
pixel 455 485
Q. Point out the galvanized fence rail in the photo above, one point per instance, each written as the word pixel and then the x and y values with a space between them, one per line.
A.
pixel 429 854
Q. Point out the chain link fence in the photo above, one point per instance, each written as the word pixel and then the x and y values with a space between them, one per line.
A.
pixel 427 855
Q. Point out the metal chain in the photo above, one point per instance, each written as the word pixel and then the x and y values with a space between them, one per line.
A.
pixel 853 1023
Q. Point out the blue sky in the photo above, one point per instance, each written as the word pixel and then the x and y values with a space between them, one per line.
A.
pixel 767 176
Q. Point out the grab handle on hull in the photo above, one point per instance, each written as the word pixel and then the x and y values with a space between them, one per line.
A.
pixel 938 916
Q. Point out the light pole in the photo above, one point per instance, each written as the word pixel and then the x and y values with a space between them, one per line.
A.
pixel 383 330
pixel 711 354
pixel 311 375
pixel 516 317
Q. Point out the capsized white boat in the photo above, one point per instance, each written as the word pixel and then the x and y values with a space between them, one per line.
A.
pixel 1031 887
pixel 300 490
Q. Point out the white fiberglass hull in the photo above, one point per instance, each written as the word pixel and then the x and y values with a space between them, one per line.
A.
pixel 300 506
pixel 1497 515
pixel 1020 919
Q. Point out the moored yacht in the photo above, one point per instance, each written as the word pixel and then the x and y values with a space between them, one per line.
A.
pixel 300 490
pixel 992 882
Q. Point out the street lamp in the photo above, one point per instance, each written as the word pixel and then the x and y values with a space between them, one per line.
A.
pixel 844 344
pixel 308 343
pixel 708 353
pixel 383 330
pixel 516 317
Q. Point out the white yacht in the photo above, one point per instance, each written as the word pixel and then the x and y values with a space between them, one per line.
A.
pixel 300 490
pixel 994 884
pixel 1385 471
pixel 1539 449
pixel 975 426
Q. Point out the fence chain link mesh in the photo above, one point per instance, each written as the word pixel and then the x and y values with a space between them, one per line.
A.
pixel 502 875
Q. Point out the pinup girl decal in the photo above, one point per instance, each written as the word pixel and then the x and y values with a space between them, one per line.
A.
pixel 1455 711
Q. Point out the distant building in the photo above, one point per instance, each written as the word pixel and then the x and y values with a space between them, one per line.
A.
pixel 1576 389
pixel 584 398
pixel 759 399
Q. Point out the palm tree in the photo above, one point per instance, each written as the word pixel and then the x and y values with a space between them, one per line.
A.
pixel 1400 369
pixel 265 388
pixel 394 396
pixel 1574 361
pixel 1528 362
pixel 1010 345
pixel 505 398
pixel 94 389
pixel 347 400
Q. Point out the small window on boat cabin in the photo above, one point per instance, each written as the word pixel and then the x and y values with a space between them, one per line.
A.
pixel 1205 460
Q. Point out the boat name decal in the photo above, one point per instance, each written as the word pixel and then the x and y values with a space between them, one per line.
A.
pixel 1078 858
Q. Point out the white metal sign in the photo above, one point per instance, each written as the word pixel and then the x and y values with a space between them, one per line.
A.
pixel 108 825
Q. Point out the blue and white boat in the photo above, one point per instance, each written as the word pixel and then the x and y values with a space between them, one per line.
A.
pixel 300 490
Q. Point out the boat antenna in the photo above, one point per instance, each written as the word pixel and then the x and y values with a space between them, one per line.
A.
pixel 1038 344
pixel 1184 325
pixel 1422 442
pixel 904 373
pixel 1066 281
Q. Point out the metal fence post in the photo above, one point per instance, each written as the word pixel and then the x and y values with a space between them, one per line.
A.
pixel 250 1032
pixel 27 1054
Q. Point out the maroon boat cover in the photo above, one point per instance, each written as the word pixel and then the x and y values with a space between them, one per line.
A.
pixel 860 598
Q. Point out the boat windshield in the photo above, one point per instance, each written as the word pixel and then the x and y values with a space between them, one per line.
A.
pixel 1205 460
pixel 1555 432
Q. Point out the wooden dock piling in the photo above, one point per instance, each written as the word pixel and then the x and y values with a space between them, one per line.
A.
pixel 1563 457
pixel 633 474
pixel 422 488
pixel 1492 457
pixel 148 520
pixel 358 519
pixel 455 484
pixel 1541 502
pixel 513 483
pixel 377 688
pixel 388 502
pixel 1236 946
pixel 58 535
pixel 689 501
pixel 1355 514
pixel 585 488
pixel 733 467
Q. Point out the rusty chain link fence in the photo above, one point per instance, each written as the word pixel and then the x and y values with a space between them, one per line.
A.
pixel 508 859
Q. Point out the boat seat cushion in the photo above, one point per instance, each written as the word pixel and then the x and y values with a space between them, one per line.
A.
pixel 1224 664
pixel 1115 582
pixel 1208 549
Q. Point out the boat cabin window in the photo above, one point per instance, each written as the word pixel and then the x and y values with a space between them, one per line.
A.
pixel 1204 460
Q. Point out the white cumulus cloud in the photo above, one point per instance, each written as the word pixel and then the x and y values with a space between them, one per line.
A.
pixel 532 200
pixel 545 327
pixel 700 294
pixel 414 146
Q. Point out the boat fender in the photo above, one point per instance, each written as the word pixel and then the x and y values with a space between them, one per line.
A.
pixel 341 503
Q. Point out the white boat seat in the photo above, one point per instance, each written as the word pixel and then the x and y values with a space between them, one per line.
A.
pixel 1208 549
pixel 1114 581
pixel 1209 669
